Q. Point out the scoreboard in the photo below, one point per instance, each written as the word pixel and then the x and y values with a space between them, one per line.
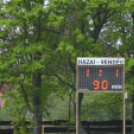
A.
pixel 100 74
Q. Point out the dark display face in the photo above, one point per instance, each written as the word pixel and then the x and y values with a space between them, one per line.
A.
pixel 101 78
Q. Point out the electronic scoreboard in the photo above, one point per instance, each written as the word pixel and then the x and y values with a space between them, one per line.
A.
pixel 100 74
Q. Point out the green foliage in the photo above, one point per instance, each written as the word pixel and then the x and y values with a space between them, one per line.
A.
pixel 5 113
pixel 102 107
pixel 41 45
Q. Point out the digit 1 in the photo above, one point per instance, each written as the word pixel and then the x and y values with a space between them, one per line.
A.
pixel 100 72
pixel 87 72
pixel 117 72
pixel 96 83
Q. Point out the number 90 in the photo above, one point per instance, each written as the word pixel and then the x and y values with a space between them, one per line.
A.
pixel 104 84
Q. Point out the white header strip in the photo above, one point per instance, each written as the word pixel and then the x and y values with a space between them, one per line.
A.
pixel 100 61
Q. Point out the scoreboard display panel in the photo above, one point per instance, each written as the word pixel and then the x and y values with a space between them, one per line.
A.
pixel 100 74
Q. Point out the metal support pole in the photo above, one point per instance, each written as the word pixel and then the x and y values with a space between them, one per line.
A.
pixel 77 112
pixel 124 123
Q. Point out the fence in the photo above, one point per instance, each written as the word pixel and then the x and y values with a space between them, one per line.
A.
pixel 102 127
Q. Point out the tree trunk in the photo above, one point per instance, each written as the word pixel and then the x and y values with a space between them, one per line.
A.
pixel 37 112
pixel 133 91
pixel 37 117
pixel 81 129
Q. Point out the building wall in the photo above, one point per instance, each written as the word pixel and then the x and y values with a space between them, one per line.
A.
pixel 1 101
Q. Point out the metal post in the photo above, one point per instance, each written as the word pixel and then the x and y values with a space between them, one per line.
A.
pixel 77 112
pixel 124 123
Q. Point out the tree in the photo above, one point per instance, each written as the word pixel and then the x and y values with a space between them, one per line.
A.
pixel 127 38
pixel 26 48
pixel 80 23
pixel 40 42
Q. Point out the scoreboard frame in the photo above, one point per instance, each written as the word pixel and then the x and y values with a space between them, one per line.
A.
pixel 121 63
pixel 96 62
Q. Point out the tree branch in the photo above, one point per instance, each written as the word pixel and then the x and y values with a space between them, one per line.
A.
pixel 25 96
pixel 50 30
pixel 71 65
pixel 60 79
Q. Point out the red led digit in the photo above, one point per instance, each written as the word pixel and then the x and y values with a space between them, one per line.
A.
pixel 100 72
pixel 96 84
pixel 104 84
pixel 87 72
pixel 117 72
